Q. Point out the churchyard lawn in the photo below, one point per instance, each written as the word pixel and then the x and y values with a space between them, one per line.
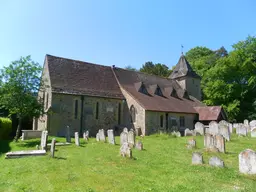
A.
pixel 164 165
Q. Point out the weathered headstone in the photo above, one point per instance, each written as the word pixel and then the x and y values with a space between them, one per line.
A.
pixel 246 122
pixel 191 143
pixel 199 128
pixel 230 126
pixel 206 130
pixel 139 145
pixel 68 137
pixel 111 137
pixel 53 147
pixel 131 138
pixel 208 140
pixel 102 135
pixel 242 130
pixel 213 128
pixel 44 138
pixel 97 137
pixel 125 150
pixel 252 124
pixel 197 158
pixel 86 135
pixel 77 141
pixel 253 132
pixel 247 162
pixel 216 162
pixel 220 143
pixel 224 130
pixel 124 136
pixel 188 132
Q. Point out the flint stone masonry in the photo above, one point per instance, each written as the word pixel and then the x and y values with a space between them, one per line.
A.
pixel 30 134
pixel 111 137
pixel 189 132
pixel 125 150
pixel 216 162
pixel 44 138
pixel 131 138
pixel 124 136
pixel 53 147
pixel 253 132
pixel 199 128
pixel 213 128
pixel 247 162
pixel 18 154
pixel 197 158
pixel 68 137
pixel 77 141
pixel 224 130
pixel 220 143
pixel 139 145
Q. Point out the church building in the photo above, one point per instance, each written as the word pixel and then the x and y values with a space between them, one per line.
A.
pixel 87 96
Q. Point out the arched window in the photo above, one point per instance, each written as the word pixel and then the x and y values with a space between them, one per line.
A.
pixel 133 113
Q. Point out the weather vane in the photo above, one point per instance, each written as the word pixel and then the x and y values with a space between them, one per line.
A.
pixel 181 49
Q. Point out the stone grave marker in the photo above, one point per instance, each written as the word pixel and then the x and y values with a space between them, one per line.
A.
pixel 206 130
pixel 102 135
pixel 230 126
pixel 247 162
pixel 199 128
pixel 53 147
pixel 242 130
pixel 224 130
pixel 125 150
pixel 253 132
pixel 97 137
pixel 124 136
pixel 139 145
pixel 252 124
pixel 216 162
pixel 246 122
pixel 188 132
pixel 197 158
pixel 111 137
pixel 68 137
pixel 86 135
pixel 191 143
pixel 77 141
pixel 208 141
pixel 220 143
pixel 44 138
pixel 131 138
pixel 213 128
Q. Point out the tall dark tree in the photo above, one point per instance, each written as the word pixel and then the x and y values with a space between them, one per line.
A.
pixel 156 69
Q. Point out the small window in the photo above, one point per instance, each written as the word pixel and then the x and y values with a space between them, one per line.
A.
pixel 119 113
pixel 76 109
pixel 143 89
pixel 161 120
pixel 133 114
pixel 43 99
pixel 47 97
pixel 158 91
pixel 182 121
pixel 97 110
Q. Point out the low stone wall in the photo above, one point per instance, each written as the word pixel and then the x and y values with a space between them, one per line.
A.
pixel 30 134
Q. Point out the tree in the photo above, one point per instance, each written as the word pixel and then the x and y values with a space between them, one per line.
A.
pixel 156 69
pixel 129 67
pixel 19 84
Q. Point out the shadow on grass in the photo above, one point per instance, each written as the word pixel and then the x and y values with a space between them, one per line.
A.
pixel 60 158
pixel 4 146
pixel 28 143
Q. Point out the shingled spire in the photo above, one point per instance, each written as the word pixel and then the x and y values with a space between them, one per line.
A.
pixel 183 69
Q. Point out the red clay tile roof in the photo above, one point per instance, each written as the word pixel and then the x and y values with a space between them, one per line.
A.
pixel 82 78
pixel 130 80
pixel 209 113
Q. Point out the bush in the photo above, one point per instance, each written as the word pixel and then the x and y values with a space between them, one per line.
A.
pixel 5 127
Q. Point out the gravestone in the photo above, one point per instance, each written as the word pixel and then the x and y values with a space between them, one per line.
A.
pixel 86 135
pixel 199 128
pixel 208 141
pixel 188 132
pixel 213 128
pixel 44 138
pixel 68 137
pixel 125 150
pixel 111 137
pixel 253 132
pixel 191 143
pixel 242 130
pixel 102 136
pixel 206 130
pixel 224 130
pixel 252 124
pixel 216 162
pixel 230 127
pixel 97 137
pixel 246 122
pixel 247 162
pixel 139 145
pixel 220 143
pixel 53 147
pixel 197 158
pixel 124 136
pixel 77 141
pixel 131 138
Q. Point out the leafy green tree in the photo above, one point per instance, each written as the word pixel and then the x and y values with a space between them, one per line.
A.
pixel 19 84
pixel 156 69
pixel 129 67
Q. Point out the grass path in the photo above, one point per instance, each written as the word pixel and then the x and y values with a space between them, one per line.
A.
pixel 164 165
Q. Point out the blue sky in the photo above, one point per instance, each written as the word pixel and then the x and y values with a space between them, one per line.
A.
pixel 120 32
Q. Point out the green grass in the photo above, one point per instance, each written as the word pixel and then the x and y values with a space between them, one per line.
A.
pixel 164 165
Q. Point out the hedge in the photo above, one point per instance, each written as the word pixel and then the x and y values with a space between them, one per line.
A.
pixel 5 127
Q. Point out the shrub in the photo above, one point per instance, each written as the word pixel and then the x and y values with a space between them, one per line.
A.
pixel 5 127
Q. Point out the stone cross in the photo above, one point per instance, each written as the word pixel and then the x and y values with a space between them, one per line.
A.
pixel 213 128
pixel 124 136
pixel 111 137
pixel 197 158
pixel 53 147
pixel 247 162
pixel 44 138
pixel 68 137
pixel 199 128
pixel 216 162
pixel 77 141
pixel 131 138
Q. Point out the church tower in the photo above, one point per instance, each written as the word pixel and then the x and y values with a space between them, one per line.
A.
pixel 187 78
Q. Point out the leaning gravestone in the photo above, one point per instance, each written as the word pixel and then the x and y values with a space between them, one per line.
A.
pixel 220 143
pixel 124 136
pixel 197 158
pixel 216 162
pixel 199 128
pixel 125 150
pixel 53 147
pixel 111 137
pixel 139 145
pixel 44 138
pixel 224 130
pixel 86 135
pixel 247 162
pixel 188 132
pixel 131 138
pixel 191 143
pixel 213 128
pixel 68 137
pixel 253 132
pixel 77 141
pixel 102 136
